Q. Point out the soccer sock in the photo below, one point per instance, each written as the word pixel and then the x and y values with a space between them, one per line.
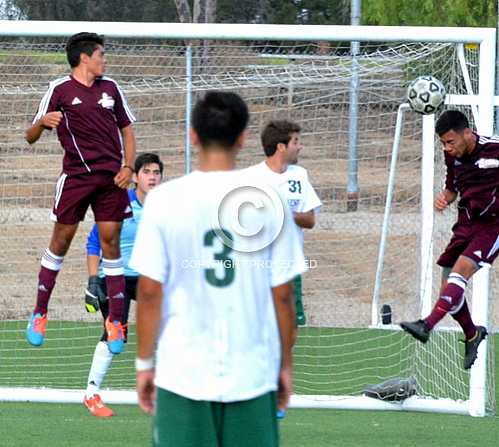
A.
pixel 463 317
pixel 451 299
pixel 50 266
pixel 100 364
pixel 298 292
pixel 115 283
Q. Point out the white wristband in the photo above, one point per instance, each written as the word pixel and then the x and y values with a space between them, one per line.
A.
pixel 144 364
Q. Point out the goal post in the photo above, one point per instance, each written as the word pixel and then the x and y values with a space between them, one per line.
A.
pixel 283 71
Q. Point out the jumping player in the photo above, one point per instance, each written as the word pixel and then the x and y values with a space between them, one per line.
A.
pixel 472 174
pixel 94 127
pixel 148 174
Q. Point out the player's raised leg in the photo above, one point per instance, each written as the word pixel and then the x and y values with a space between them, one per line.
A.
pixel 452 301
pixel 115 283
pixel 51 263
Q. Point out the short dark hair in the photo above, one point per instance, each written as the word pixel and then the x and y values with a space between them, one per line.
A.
pixel 148 158
pixel 82 43
pixel 451 120
pixel 220 118
pixel 275 132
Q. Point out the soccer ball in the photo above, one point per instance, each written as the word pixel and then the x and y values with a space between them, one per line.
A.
pixel 425 95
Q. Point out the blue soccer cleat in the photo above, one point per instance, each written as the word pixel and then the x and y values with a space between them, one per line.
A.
pixel 115 336
pixel 35 332
pixel 281 414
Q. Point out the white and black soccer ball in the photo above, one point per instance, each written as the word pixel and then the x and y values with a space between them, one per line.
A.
pixel 425 95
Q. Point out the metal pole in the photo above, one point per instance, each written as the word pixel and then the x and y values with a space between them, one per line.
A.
pixel 352 182
pixel 427 214
pixel 481 280
pixel 188 105
pixel 386 216
pixel 480 312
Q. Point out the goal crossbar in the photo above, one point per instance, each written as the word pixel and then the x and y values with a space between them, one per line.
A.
pixel 216 31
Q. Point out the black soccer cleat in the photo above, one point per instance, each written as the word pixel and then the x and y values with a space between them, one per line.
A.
pixel 471 346
pixel 417 329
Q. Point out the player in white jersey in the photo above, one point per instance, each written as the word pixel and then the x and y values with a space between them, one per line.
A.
pixel 281 145
pixel 216 254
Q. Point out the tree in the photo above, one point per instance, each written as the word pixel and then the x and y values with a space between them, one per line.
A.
pixel 10 11
pixel 249 11
pixel 183 11
pixel 205 11
pixel 324 12
pixel 97 10
pixel 188 11
pixel 202 11
pixel 430 13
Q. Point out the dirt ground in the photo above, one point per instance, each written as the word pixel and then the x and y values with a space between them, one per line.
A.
pixel 342 250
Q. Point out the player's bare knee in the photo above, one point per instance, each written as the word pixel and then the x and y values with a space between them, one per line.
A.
pixel 110 250
pixel 465 266
pixel 62 237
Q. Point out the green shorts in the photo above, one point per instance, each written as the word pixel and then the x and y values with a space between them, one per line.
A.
pixel 182 422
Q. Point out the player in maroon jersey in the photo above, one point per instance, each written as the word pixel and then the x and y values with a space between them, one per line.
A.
pixel 94 127
pixel 472 174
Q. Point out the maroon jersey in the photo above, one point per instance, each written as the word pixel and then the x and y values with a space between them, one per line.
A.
pixel 475 177
pixel 90 128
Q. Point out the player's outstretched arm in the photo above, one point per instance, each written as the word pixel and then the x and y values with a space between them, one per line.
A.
pixel 48 121
pixel 93 264
pixel 149 298
pixel 124 177
pixel 305 220
pixel 285 312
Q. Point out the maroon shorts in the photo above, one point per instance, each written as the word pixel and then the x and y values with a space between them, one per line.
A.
pixel 75 193
pixel 477 241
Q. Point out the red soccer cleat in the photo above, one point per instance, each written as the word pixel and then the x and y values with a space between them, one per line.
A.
pixel 97 407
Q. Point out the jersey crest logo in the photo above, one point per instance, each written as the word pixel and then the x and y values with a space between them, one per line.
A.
pixel 106 101
pixel 76 101
pixel 487 163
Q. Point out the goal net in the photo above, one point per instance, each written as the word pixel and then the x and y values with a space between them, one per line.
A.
pixel 347 105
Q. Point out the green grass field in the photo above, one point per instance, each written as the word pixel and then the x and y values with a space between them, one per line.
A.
pixel 52 425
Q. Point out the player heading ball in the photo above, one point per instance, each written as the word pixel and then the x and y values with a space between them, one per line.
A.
pixel 473 176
